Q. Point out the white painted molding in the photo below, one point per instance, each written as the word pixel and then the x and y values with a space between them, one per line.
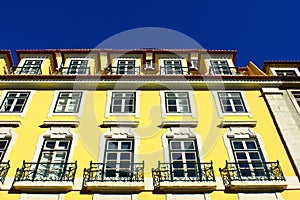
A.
pixel 132 124
pixel 225 124
pixel 191 124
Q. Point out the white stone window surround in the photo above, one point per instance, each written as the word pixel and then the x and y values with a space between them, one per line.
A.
pixel 109 101
pixel 115 197
pixel 81 104
pixel 69 59
pixel 243 97
pixel 122 133
pixel 56 132
pixel 8 132
pixel 44 58
pixel 293 99
pixel 181 133
pixel 242 132
pixel 26 107
pixel 163 104
pixel 274 69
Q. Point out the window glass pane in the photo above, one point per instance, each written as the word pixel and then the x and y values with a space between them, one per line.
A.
pixel 3 144
pixel 111 156
pixel 125 156
pixel 190 156
pixel 238 145
pixel 251 145
pixel 112 145
pixel 189 145
pixel 175 145
pixel 63 144
pixel 176 156
pixel 50 144
pixel 126 145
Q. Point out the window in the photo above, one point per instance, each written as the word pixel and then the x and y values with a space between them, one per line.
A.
pixel 177 102
pixel 231 102
pixel 78 67
pixel 174 66
pixel 68 102
pixel 125 66
pixel 3 147
pixel 220 67
pixel 53 159
pixel 184 158
pixel 285 71
pixel 249 157
pixel 14 102
pixel 31 67
pixel 297 96
pixel 118 158
pixel 123 103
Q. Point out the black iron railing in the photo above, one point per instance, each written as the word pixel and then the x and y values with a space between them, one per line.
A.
pixel 116 172
pixel 26 70
pixel 223 70
pixel 46 171
pixel 4 167
pixel 251 171
pixel 179 171
pixel 124 70
pixel 174 70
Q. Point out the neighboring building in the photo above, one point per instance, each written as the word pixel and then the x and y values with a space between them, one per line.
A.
pixel 146 124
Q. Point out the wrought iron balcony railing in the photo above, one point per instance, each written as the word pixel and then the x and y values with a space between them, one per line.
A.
pixel 186 172
pixel 25 70
pixel 172 70
pixel 4 167
pixel 45 171
pixel 251 171
pixel 116 172
pixel 219 71
pixel 124 70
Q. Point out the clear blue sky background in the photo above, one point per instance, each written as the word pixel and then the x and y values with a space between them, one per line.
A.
pixel 259 30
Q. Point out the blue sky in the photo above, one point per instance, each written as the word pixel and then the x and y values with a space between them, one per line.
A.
pixel 259 30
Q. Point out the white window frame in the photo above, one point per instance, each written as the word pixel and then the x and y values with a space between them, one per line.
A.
pixel 163 104
pixel 229 62
pixel 68 62
pixel 57 133
pixel 181 133
pixel 26 107
pixel 22 62
pixel 8 132
pixel 183 65
pixel 119 133
pixel 293 99
pixel 274 69
pixel 109 101
pixel 81 104
pixel 136 64
pixel 219 106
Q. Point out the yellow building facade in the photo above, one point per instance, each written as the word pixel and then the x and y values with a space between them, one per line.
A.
pixel 140 124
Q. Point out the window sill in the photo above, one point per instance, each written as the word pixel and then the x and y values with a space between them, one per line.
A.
pixel 115 187
pixel 257 186
pixel 187 187
pixel 43 186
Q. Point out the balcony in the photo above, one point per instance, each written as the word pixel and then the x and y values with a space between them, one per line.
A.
pixel 75 71
pixel 45 177
pixel 178 177
pixel 25 70
pixel 174 70
pixel 107 178
pixel 124 70
pixel 253 177
pixel 4 167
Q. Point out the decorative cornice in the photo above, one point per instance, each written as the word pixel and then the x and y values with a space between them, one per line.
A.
pixel 107 124
pixel 10 123
pixel 190 124
pixel 48 124
pixel 225 124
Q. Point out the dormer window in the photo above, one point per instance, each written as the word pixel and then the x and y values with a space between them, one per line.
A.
pixel 31 67
pixel 286 72
pixel 78 67
pixel 173 67
pixel 125 66
pixel 221 67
